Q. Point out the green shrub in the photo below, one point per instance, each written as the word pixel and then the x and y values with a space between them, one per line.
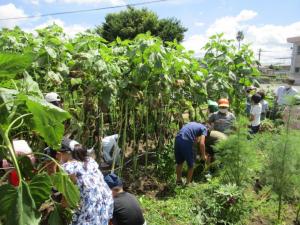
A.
pixel 222 204
pixel 165 166
pixel 282 167
pixel 237 156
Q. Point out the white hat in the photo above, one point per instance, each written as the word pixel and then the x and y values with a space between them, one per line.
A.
pixel 52 97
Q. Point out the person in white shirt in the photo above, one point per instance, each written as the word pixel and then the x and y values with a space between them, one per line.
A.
pixel 255 113
pixel 111 150
pixel 283 92
pixel 264 105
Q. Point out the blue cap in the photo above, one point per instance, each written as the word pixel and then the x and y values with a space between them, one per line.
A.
pixel 113 180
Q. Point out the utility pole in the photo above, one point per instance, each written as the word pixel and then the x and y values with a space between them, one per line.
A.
pixel 259 54
pixel 239 37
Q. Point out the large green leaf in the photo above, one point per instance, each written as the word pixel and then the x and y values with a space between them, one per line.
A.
pixel 69 190
pixel 7 196
pixel 51 52
pixel 6 95
pixel 55 217
pixel 31 86
pixel 48 119
pixel 12 64
pixel 40 188
pixel 56 78
pixel 18 206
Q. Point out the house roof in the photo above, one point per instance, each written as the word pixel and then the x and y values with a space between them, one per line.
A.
pixel 293 39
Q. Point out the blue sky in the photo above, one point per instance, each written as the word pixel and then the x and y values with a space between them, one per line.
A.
pixel 266 23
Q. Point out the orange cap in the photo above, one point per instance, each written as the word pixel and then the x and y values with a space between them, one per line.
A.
pixel 223 102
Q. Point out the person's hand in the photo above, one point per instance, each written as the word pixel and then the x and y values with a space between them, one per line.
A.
pixel 204 157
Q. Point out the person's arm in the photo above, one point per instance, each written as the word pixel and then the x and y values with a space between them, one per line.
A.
pixel 201 143
pixel 252 113
pixel 251 117
pixel 266 106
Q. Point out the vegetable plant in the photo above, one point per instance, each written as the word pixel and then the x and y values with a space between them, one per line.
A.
pixel 22 107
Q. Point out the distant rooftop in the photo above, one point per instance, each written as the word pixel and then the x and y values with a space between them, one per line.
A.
pixel 293 39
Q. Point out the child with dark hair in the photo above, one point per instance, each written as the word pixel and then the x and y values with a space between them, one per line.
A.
pixel 96 204
pixel 255 113
pixel 264 105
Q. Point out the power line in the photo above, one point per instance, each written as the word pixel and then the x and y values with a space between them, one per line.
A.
pixel 82 10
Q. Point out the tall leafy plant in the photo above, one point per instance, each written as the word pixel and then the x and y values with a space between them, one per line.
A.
pixel 228 70
pixel 23 107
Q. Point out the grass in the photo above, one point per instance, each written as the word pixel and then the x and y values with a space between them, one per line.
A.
pixel 176 210
pixel 180 209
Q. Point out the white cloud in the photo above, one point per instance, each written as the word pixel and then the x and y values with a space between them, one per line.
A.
pixel 199 24
pixel 230 24
pixel 195 43
pixel 9 11
pixel 269 37
pixel 70 30
pixel 245 15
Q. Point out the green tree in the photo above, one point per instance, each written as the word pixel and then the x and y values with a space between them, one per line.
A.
pixel 170 29
pixel 128 23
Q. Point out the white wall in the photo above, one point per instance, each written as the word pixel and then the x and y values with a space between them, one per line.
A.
pixel 295 62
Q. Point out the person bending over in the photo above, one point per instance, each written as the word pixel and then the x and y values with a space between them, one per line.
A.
pixel 188 135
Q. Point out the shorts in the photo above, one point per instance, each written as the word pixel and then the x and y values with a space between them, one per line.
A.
pixel 184 151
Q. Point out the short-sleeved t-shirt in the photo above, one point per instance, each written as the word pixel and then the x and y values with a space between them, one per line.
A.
pixel 96 201
pixel 256 112
pixel 221 121
pixel 282 93
pixel 264 105
pixel 191 131
pixel 127 210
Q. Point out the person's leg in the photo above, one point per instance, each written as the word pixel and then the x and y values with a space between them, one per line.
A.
pixel 179 159
pixel 179 168
pixel 189 157
pixel 190 175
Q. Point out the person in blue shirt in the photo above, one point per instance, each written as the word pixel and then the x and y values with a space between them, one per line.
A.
pixel 188 135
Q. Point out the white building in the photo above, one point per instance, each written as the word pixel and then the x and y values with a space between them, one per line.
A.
pixel 295 62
